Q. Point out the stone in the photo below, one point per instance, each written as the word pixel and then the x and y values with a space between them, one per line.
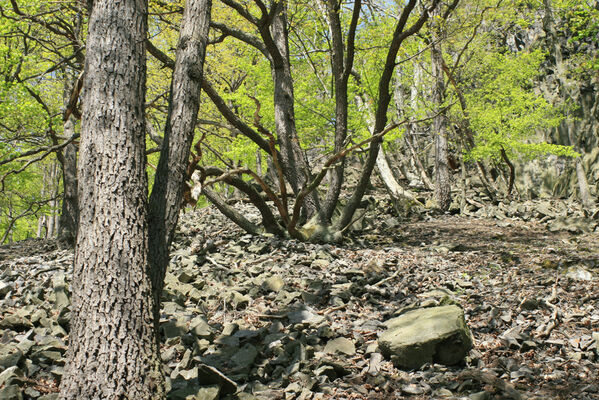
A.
pixel 273 284
pixel 15 322
pixel 480 396
pixel 320 264
pixel 579 274
pixel 185 277
pixel 11 392
pixel 340 345
pixel 208 375
pixel 10 356
pixel 238 300
pixel 5 288
pixel 9 374
pixel 59 285
pixel 245 357
pixel 304 315
pixel 437 334
pixel 200 328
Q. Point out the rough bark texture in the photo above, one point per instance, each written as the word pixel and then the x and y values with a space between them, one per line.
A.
pixel 341 67
pixel 112 343
pixel 69 216
pixel 442 183
pixel 171 173
pixel 292 157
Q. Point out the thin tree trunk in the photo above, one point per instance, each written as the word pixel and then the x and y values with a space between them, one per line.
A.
pixel 384 98
pixel 113 348
pixel 341 67
pixel 292 157
pixel 171 173
pixel 442 182
pixel 69 217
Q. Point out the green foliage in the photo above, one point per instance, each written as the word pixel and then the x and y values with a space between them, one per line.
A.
pixel 505 112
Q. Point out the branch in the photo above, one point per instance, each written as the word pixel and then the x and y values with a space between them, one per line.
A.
pixel 241 11
pixel 230 212
pixel 240 35
pixel 48 151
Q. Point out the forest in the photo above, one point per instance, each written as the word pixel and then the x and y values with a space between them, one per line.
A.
pixel 366 199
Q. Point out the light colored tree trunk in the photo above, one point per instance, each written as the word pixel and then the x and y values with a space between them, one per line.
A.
pixel 442 180
pixel 113 347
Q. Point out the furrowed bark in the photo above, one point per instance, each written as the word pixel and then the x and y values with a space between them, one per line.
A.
pixel 112 343
pixel 171 172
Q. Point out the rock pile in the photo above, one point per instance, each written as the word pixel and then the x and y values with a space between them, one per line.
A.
pixel 256 317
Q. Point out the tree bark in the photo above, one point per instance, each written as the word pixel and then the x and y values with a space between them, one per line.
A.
pixel 293 159
pixel 341 67
pixel 113 351
pixel 69 217
pixel 442 182
pixel 171 173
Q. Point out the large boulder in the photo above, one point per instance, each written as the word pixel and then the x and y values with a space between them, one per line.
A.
pixel 436 334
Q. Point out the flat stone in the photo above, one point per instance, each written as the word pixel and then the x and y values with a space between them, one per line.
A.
pixel 340 345
pixel 200 328
pixel 208 375
pixel 579 274
pixel 437 334
pixel 11 392
pixel 4 289
pixel 59 285
pixel 9 374
pixel 273 284
pixel 304 315
pixel 245 357
pixel 10 356
pixel 185 277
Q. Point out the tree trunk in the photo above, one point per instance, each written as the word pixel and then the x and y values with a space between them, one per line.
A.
pixel 113 350
pixel 293 159
pixel 442 182
pixel 69 217
pixel 341 67
pixel 171 173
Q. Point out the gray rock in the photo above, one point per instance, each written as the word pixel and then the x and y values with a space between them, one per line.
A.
pixel 304 315
pixel 579 274
pixel 185 277
pixel 15 322
pixel 320 264
pixel 273 284
pixel 5 288
pixel 59 285
pixel 245 357
pixel 419 336
pixel 200 328
pixel 238 300
pixel 480 396
pixel 208 375
pixel 340 345
pixel 10 355
pixel 9 374
pixel 11 392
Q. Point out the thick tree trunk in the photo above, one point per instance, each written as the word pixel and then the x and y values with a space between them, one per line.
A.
pixel 442 182
pixel 112 343
pixel 69 217
pixel 171 173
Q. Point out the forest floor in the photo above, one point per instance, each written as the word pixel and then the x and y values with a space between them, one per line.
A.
pixel 266 312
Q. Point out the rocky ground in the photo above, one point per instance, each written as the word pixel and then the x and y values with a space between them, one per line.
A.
pixel 282 319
